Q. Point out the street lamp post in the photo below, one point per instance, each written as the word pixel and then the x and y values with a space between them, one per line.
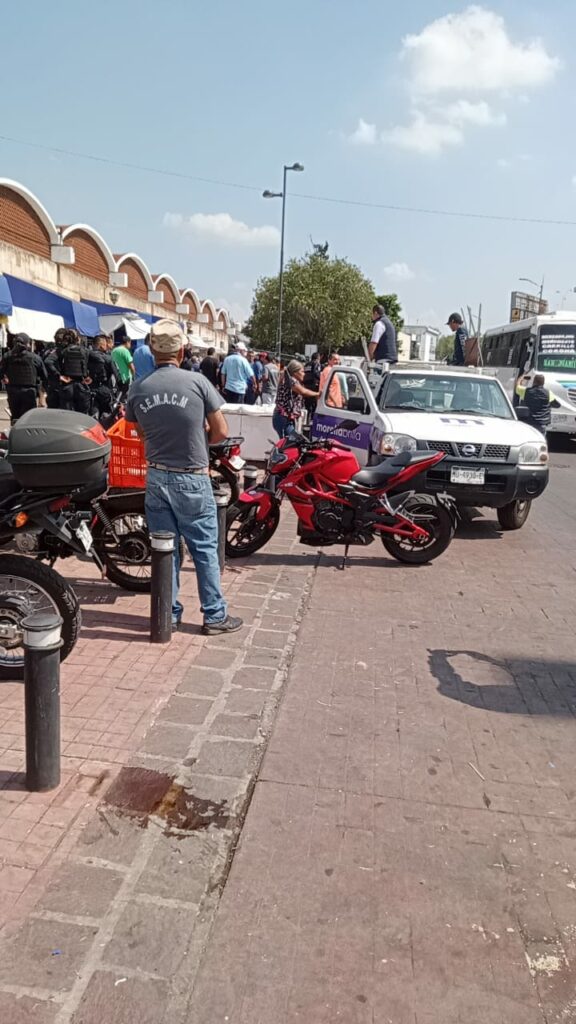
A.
pixel 564 295
pixel 282 195
pixel 528 280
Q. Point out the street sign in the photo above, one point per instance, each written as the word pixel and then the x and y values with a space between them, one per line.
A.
pixel 523 306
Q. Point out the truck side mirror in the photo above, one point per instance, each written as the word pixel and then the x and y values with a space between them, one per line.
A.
pixel 357 403
pixel 523 413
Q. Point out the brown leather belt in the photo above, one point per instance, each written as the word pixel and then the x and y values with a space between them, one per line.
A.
pixel 177 469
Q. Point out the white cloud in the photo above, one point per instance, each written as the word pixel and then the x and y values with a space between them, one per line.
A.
pixel 455 57
pixel 472 52
pixel 463 112
pixel 222 228
pixel 424 135
pixel 237 311
pixel 505 163
pixel 365 134
pixel 399 272
pixel 434 129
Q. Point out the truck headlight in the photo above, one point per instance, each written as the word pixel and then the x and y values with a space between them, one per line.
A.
pixel 533 454
pixel 394 444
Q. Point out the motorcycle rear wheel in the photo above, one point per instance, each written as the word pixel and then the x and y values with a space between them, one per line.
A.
pixel 245 534
pixel 435 518
pixel 27 586
pixel 128 554
pixel 225 481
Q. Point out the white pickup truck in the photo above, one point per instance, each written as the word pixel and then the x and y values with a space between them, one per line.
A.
pixel 493 459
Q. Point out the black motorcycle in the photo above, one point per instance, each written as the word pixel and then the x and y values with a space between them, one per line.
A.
pixel 26 586
pixel 116 522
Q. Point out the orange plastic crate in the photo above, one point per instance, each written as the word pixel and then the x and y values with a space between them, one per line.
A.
pixel 127 466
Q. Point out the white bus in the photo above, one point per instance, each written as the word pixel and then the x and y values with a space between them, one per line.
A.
pixel 540 344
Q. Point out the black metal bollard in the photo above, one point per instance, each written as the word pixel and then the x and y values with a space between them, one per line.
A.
pixel 221 510
pixel 250 477
pixel 161 590
pixel 42 700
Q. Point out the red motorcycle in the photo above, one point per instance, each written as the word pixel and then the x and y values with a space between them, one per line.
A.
pixel 338 503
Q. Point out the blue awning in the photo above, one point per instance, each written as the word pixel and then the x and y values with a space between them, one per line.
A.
pixel 85 319
pixel 30 297
pixel 5 297
pixel 105 309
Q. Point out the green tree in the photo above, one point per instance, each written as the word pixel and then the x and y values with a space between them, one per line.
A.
pixel 327 302
pixel 445 347
pixel 392 308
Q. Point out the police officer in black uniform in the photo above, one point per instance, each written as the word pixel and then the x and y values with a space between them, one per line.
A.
pixel 52 365
pixel 22 371
pixel 101 376
pixel 73 362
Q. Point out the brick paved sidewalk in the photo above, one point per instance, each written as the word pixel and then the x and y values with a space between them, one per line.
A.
pixel 409 855
pixel 108 884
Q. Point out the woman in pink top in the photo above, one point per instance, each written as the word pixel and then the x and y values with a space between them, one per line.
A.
pixel 334 397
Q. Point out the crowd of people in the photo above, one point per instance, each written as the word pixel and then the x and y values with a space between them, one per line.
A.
pixel 94 377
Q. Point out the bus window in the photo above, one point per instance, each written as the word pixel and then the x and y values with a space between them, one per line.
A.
pixel 557 348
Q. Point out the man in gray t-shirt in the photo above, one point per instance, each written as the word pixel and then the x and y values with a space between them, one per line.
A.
pixel 171 406
pixel 177 414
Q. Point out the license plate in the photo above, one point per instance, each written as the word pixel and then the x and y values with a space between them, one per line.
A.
pixel 84 536
pixel 236 462
pixel 561 418
pixel 459 475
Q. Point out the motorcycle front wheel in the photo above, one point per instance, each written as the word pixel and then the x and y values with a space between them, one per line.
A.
pixel 26 587
pixel 440 524
pixel 245 533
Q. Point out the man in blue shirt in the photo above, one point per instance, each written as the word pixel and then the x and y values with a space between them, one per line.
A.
pixel 143 359
pixel 236 375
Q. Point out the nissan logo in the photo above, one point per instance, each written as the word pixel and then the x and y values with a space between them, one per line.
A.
pixel 469 449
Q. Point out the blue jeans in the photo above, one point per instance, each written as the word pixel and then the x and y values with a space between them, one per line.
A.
pixel 183 504
pixel 282 425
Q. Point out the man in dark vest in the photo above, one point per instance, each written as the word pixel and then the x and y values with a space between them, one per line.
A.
pixel 538 400
pixel 74 391
pixel 101 376
pixel 456 325
pixel 382 346
pixel 22 372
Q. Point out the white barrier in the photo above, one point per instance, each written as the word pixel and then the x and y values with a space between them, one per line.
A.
pixel 254 424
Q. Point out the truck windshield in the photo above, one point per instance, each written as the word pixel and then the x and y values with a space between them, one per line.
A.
pixel 436 394
pixel 557 348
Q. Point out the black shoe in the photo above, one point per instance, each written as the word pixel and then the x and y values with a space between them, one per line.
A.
pixel 228 625
pixel 176 625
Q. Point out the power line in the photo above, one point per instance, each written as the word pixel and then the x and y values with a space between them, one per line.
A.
pixel 502 218
pixel 435 213
pixel 129 166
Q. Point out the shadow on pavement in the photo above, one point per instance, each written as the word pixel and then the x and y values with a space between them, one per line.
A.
pixel 321 558
pixel 12 780
pixel 512 686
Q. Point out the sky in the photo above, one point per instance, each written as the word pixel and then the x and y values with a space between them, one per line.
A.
pixel 433 106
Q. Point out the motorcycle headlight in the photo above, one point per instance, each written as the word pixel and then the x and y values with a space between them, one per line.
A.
pixel 533 454
pixel 394 444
